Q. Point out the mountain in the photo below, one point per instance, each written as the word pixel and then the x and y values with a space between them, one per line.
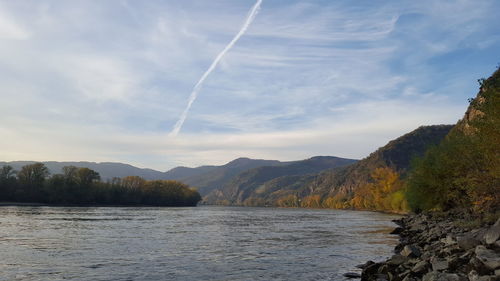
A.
pixel 181 173
pixel 257 183
pixel 208 178
pixel 463 171
pixel 325 177
pixel 106 170
pixel 396 155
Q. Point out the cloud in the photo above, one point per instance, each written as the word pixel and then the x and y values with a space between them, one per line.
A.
pixel 10 29
pixel 105 81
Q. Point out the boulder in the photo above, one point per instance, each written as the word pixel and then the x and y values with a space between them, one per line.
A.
pixel 397 230
pixel 397 260
pixel 468 242
pixel 420 267
pixel 370 271
pixel 439 264
pixel 352 275
pixel 441 276
pixel 493 233
pixel 408 278
pixel 411 251
pixel 365 265
pixel 478 266
pixel 488 257
pixel 474 276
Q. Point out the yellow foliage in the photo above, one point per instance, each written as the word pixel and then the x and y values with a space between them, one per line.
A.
pixel 288 201
pixel 312 201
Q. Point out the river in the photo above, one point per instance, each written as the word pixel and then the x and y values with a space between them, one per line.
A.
pixel 201 243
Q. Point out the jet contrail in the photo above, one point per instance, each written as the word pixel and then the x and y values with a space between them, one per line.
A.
pixel 251 16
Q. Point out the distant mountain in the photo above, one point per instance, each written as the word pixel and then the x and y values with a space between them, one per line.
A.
pixel 258 182
pixel 208 178
pixel 180 173
pixel 106 170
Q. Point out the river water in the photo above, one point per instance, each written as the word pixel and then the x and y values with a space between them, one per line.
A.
pixel 201 243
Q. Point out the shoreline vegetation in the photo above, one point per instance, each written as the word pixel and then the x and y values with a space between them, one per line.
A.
pixel 82 187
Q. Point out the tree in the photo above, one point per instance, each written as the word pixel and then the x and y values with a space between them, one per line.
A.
pixel 86 176
pixel 70 174
pixel 7 173
pixel 31 177
pixel 133 182
pixel 7 183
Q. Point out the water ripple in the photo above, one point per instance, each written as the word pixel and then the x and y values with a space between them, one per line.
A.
pixel 203 243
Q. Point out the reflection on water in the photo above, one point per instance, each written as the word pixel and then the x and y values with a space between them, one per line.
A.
pixel 203 243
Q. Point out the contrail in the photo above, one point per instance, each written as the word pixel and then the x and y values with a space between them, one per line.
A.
pixel 251 16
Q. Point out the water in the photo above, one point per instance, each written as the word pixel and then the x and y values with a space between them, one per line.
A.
pixel 202 243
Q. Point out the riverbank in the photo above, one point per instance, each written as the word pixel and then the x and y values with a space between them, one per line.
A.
pixel 90 205
pixel 437 247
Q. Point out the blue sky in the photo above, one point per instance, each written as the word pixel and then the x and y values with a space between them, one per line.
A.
pixel 107 80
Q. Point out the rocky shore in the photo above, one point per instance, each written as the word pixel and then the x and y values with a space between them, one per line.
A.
pixel 440 248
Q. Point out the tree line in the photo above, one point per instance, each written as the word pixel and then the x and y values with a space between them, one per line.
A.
pixel 83 186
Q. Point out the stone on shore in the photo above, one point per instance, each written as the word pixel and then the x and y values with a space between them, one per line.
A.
pixel 492 235
pixel 352 275
pixel 433 247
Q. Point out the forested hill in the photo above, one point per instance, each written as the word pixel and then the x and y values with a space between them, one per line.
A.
pixel 242 188
pixel 463 171
pixel 394 157
pixel 207 178
pixel 333 188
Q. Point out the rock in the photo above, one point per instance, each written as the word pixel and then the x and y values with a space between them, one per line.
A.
pixel 439 264
pixel 411 251
pixel 383 269
pixel 365 265
pixel 454 262
pixel 408 278
pixel 397 230
pixel 478 266
pixel 488 257
pixel 448 240
pixel 468 242
pixel 397 260
pixel 492 234
pixel 420 267
pixel 370 271
pixel 474 276
pixel 352 275
pixel 497 272
pixel 404 273
pixel 441 276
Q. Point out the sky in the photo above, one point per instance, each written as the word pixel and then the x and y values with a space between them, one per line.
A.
pixel 106 81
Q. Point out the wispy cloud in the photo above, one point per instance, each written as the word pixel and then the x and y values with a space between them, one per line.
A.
pixel 105 81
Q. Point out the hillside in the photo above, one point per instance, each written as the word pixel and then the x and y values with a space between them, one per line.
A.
pixel 463 171
pixel 395 155
pixel 261 184
pixel 208 178
pixel 327 182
